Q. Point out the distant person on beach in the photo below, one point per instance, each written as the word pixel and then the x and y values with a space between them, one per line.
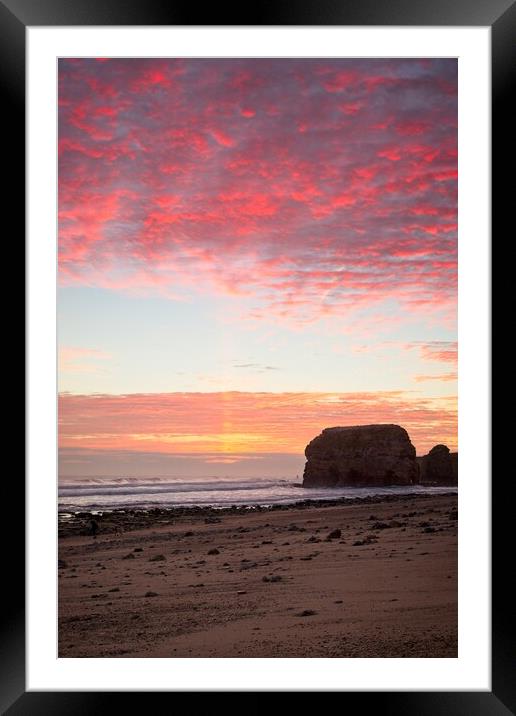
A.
pixel 94 528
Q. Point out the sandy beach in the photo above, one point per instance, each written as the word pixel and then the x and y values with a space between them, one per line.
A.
pixel 264 583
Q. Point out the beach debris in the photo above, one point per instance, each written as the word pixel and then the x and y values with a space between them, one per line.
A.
pixel 138 549
pixel 213 551
pixel 151 594
pixel 306 613
pixel 380 526
pixel 271 578
pixel 368 540
pixel 241 591
pixel 334 534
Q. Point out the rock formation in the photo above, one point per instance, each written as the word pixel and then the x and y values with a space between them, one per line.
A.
pixel 439 467
pixel 360 455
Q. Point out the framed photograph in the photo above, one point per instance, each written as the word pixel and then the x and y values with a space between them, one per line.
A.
pixel 258 339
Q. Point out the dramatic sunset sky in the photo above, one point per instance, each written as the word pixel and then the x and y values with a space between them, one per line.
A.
pixel 251 251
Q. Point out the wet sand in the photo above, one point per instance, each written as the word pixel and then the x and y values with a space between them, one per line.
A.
pixel 267 583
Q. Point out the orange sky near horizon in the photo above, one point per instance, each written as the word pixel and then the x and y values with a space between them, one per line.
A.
pixel 234 422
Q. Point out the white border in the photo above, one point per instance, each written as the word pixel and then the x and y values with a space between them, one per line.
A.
pixel 471 670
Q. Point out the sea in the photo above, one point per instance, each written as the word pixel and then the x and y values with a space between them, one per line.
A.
pixel 103 494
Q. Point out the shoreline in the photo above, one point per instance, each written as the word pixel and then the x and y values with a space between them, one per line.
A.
pixel 374 578
pixel 113 518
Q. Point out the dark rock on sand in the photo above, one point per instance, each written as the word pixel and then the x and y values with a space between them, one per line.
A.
pixel 360 455
pixel 334 534
pixel 213 551
pixel 158 558
pixel 362 542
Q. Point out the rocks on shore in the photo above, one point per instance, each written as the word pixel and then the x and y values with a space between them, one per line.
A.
pixel 362 455
pixel 439 467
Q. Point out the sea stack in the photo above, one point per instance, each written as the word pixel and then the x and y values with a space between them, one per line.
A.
pixel 439 467
pixel 361 456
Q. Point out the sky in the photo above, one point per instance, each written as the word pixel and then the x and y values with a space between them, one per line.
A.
pixel 251 250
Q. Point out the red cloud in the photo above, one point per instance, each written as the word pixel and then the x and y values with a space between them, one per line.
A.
pixel 165 183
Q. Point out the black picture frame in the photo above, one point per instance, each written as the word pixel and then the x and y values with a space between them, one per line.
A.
pixel 500 16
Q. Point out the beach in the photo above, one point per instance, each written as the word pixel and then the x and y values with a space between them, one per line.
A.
pixel 263 582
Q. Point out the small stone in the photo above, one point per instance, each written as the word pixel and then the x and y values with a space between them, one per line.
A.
pixel 158 558
pixel 151 594
pixel 335 534
pixel 213 551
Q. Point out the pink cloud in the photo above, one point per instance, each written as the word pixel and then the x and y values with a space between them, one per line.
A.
pixel 73 359
pixel 441 351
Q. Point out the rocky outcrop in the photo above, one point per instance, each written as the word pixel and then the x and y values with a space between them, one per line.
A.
pixel 360 455
pixel 439 467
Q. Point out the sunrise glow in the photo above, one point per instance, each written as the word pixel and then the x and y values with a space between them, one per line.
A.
pixel 253 250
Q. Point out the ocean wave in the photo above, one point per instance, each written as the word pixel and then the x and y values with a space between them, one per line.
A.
pixel 220 493
pixel 153 488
